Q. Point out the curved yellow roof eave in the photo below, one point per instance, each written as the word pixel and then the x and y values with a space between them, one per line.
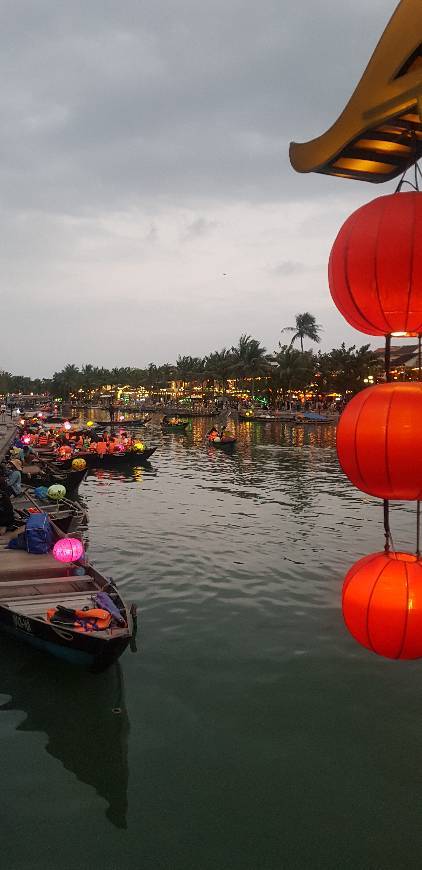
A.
pixel 382 96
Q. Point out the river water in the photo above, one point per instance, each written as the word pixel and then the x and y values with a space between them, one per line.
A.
pixel 248 731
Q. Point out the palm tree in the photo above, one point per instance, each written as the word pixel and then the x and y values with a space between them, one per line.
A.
pixel 292 369
pixel 250 359
pixel 347 368
pixel 220 366
pixel 189 369
pixel 305 327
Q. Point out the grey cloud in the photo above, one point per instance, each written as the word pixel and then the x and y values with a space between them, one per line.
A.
pixel 132 128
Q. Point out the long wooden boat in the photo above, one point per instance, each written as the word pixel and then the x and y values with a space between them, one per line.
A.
pixel 135 422
pixel 50 473
pixel 67 515
pixel 32 585
pixel 309 419
pixel 109 460
pixel 258 418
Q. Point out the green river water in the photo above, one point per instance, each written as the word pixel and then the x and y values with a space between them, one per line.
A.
pixel 249 731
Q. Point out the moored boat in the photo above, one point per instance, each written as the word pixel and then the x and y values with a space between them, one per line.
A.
pixel 66 514
pixel 118 459
pixel 42 602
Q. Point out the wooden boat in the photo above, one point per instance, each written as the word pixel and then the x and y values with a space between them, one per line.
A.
pixel 135 422
pixel 258 418
pixel 50 473
pixel 109 460
pixel 31 585
pixel 67 515
pixel 308 418
pixel 51 418
pixel 227 442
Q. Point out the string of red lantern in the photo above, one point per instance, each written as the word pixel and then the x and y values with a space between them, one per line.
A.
pixel 375 276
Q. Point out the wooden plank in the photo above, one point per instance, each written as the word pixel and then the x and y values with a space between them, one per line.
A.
pixel 43 581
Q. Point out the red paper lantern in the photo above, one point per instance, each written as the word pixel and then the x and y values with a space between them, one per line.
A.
pixel 379 441
pixel 375 268
pixel 382 604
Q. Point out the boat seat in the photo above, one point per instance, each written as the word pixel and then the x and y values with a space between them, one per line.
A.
pixel 44 581
pixel 41 603
pixel 19 563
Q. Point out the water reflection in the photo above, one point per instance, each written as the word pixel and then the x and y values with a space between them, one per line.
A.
pixel 83 716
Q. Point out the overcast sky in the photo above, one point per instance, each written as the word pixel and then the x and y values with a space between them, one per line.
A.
pixel 148 207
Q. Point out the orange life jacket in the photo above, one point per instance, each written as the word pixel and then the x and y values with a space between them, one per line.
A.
pixel 94 619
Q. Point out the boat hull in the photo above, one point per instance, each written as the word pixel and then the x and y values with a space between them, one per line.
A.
pixel 110 460
pixel 78 649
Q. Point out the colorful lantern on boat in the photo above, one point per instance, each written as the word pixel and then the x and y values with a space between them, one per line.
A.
pixel 379 441
pixel 68 550
pixel 90 423
pixel 78 464
pixel 67 425
pixel 382 604
pixel 41 492
pixel 56 492
pixel 139 446
pixel 26 439
pixel 375 268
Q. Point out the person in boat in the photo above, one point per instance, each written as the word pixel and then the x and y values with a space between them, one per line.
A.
pixel 28 454
pixel 7 516
pixel 42 438
pixel 212 434
pixel 13 477
pixel 101 447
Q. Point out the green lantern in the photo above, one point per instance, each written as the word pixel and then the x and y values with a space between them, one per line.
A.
pixel 56 492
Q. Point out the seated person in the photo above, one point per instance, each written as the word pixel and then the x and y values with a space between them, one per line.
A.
pixel 212 434
pixel 13 477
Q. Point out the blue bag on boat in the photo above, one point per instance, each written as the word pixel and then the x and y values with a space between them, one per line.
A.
pixel 39 534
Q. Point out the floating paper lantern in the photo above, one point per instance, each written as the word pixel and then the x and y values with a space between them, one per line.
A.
pixel 68 550
pixel 56 491
pixel 79 464
pixel 375 268
pixel 382 604
pixel 379 441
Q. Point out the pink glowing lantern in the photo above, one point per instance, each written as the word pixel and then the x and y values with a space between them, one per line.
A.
pixel 26 439
pixel 67 425
pixel 68 550
pixel 40 416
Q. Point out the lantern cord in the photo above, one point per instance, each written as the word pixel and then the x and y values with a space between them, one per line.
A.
pixel 419 357
pixel 388 358
pixel 411 162
pixel 387 530
pixel 418 529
